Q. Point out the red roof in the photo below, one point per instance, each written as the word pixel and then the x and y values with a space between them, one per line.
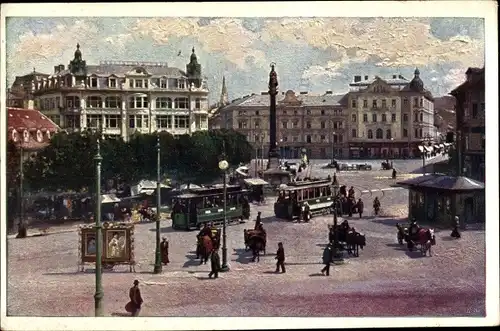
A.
pixel 29 129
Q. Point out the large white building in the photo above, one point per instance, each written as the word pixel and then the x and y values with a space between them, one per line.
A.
pixel 123 98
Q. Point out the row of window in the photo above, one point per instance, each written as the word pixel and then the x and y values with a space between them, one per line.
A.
pixel 417 102
pixel 336 112
pixel 134 121
pixel 379 134
pixel 243 124
pixel 307 138
pixel 416 118
pixel 114 82
pixel 116 102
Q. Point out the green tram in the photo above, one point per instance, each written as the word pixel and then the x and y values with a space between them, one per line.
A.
pixel 199 206
pixel 318 194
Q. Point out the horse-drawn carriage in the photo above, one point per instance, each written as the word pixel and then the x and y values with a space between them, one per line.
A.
pixel 255 240
pixel 386 165
pixel 421 239
pixel 347 238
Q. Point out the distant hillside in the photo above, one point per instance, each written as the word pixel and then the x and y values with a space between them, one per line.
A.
pixel 444 117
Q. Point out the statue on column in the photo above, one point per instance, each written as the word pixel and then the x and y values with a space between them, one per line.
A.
pixel 273 81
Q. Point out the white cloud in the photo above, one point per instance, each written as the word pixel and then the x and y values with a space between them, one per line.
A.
pixel 454 77
pixel 320 72
pixel 40 50
pixel 398 42
pixel 119 40
pixel 225 35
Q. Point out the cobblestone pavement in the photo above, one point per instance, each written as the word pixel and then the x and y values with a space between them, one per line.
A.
pixel 385 280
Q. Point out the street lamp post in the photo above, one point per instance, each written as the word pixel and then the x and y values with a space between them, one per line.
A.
pixel 21 185
pixel 336 202
pixel 223 165
pixel 333 153
pixel 99 293
pixel 158 267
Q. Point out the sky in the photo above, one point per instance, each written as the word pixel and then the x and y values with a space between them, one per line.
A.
pixel 311 54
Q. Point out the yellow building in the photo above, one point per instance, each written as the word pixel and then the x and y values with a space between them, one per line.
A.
pixel 389 117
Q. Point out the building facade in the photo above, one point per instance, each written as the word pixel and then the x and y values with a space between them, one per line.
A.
pixel 123 98
pixel 470 110
pixel 389 117
pixel 316 123
pixel 20 95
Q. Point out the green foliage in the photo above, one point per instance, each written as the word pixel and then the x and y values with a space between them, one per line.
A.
pixel 68 162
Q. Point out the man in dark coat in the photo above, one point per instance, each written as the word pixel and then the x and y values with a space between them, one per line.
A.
pixel 258 221
pixel 327 259
pixel 215 264
pixel 351 191
pixel 135 299
pixel 164 251
pixel 280 257
pixel 360 207
pixel 455 233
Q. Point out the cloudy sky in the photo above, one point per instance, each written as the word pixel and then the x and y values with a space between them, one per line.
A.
pixel 311 54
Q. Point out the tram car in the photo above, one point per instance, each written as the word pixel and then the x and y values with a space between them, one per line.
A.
pixel 198 206
pixel 291 198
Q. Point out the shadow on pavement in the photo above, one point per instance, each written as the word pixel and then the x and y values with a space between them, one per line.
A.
pixel 271 272
pixel 316 274
pixel 192 261
pixel 414 254
pixel 167 229
pixel 321 245
pixel 120 314
pixel 303 263
pixel 271 219
pixel 389 221
pixel 244 257
pixel 204 278
pixel 447 238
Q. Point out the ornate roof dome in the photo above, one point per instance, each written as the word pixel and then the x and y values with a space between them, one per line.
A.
pixel 416 83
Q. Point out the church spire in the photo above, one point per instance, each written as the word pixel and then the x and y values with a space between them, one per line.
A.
pixel 224 100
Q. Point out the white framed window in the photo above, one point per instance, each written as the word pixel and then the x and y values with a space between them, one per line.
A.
pixel 145 121
pixel 94 121
pixel 164 121
pixel 138 83
pixel 94 101
pixel 131 83
pixel 138 102
pixel 113 121
pixel 163 103
pixel 197 103
pixel 93 81
pixel 113 102
pixel 163 83
pixel 181 122
pixel 131 121
pixel 182 103
pixel 112 82
pixel 182 83
pixel 72 101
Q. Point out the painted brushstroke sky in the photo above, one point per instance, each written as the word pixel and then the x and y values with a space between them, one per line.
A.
pixel 311 54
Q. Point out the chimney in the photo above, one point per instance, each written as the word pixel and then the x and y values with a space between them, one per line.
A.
pixel 329 92
pixel 264 93
pixel 394 76
pixel 61 67
pixel 357 79
pixel 366 77
pixel 303 92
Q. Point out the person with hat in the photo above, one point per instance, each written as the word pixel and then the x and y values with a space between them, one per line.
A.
pixel 134 306
pixel 412 232
pixel 215 264
pixel 258 221
pixel 164 251
pixel 455 233
pixel 280 257
pixel 327 259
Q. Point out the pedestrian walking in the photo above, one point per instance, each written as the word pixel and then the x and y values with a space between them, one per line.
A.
pixel 327 259
pixel 455 233
pixel 134 306
pixel 164 251
pixel 360 207
pixel 215 264
pixel 280 257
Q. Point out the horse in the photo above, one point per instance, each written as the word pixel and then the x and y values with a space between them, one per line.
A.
pixel 354 241
pixel 257 244
pixel 424 239
pixel 204 248
pixel 401 233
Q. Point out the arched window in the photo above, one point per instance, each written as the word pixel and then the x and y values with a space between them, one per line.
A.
pixel 163 103
pixel 388 134
pixel 370 134
pixel 379 134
